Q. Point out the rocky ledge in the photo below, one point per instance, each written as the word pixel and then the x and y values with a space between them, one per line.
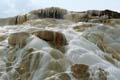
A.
pixel 96 16
pixel 56 44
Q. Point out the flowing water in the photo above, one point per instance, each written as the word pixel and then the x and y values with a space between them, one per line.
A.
pixel 37 60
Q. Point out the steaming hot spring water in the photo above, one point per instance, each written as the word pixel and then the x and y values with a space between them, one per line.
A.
pixel 91 51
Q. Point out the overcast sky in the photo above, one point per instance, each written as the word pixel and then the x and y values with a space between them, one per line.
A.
pixel 15 7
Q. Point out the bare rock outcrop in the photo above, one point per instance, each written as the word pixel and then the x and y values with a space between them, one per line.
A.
pixel 52 12
pixel 95 16
pixel 80 71
pixel 57 39
pixel 18 39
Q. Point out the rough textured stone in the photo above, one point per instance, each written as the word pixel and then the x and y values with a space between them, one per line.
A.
pixel 106 38
pixel 52 12
pixel 95 16
pixel 57 39
pixel 109 13
pixel 84 26
pixel 20 19
pixel 76 17
pixel 80 71
pixel 18 39
pixel 58 13
pixel 25 69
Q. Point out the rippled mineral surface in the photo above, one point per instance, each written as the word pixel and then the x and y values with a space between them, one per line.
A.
pixel 56 49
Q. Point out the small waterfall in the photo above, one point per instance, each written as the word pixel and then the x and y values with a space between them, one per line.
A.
pixel 38 60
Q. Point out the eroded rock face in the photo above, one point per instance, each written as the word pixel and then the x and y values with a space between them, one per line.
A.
pixel 84 26
pixel 109 13
pixel 106 38
pixel 57 39
pixel 18 39
pixel 80 71
pixel 50 64
pixel 84 72
pixel 20 19
pixel 77 17
pixel 40 61
pixel 95 16
pixel 52 12
pixel 25 69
